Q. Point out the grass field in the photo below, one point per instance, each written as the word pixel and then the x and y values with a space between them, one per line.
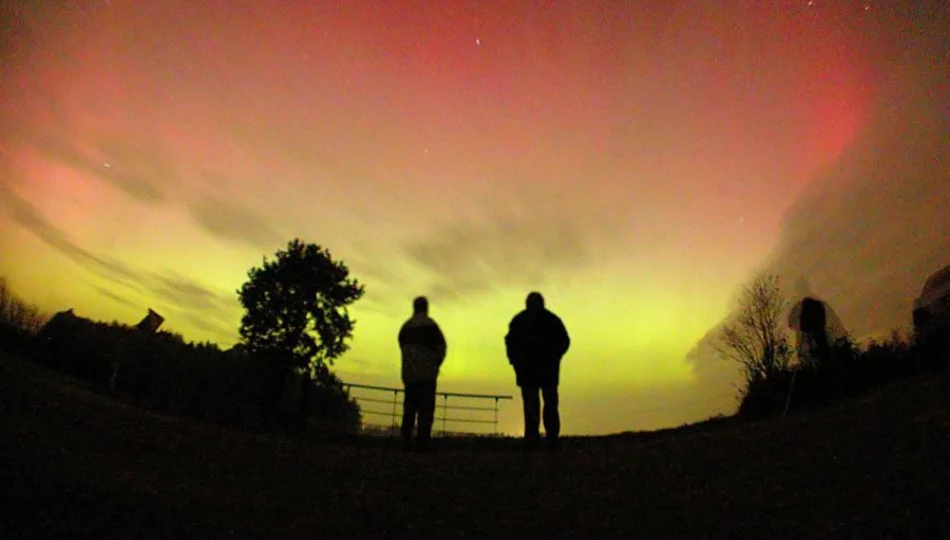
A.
pixel 76 464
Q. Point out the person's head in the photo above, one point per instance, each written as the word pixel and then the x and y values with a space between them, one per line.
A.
pixel 420 305
pixel 802 287
pixel 534 300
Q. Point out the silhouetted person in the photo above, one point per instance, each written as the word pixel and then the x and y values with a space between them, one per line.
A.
pixel 423 351
pixel 813 323
pixel 535 343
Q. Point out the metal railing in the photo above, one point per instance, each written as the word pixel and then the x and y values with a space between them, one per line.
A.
pixel 442 408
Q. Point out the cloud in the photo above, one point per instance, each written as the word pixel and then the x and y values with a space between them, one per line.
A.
pixel 220 327
pixel 471 258
pixel 143 170
pixel 206 308
pixel 188 294
pixel 869 231
pixel 138 170
pixel 118 298
pixel 29 217
pixel 212 310
pixel 232 221
pixel 182 300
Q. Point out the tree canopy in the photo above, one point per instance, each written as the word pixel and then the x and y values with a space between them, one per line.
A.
pixel 755 337
pixel 296 307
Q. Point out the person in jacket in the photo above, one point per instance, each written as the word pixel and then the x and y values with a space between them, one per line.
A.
pixel 535 343
pixel 423 351
pixel 812 318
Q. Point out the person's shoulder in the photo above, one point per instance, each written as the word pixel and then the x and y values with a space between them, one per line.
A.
pixel 556 321
pixel 520 316
pixel 411 322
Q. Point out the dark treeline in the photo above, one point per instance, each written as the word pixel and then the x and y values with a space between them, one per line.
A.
pixel 837 368
pixel 268 391
pixel 161 371
pixel 850 372
pixel 277 378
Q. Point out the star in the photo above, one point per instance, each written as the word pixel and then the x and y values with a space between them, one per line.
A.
pixel 478 42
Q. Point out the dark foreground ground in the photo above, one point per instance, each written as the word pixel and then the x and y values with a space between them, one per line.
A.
pixel 74 464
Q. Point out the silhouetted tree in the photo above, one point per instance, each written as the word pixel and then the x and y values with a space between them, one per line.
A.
pixel 755 337
pixel 296 312
pixel 18 321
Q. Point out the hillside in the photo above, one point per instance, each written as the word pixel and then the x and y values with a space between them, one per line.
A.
pixel 80 465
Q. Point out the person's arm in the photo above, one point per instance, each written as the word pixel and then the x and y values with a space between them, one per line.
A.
pixel 402 336
pixel 511 342
pixel 565 338
pixel 440 344
pixel 439 337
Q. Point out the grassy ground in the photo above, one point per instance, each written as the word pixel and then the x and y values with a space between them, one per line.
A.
pixel 79 465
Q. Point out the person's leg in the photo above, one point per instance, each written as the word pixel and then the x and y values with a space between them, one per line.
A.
pixel 824 349
pixel 409 410
pixel 426 412
pixel 552 419
pixel 532 412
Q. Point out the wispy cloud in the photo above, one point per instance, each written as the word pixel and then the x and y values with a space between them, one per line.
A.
pixel 232 221
pixel 146 172
pixel 143 171
pixel 120 299
pixel 188 293
pixel 218 327
pixel 206 308
pixel 29 217
pixel 868 233
pixel 470 258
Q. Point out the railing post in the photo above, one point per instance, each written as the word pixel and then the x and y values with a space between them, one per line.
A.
pixel 392 423
pixel 445 411
pixel 495 424
pixel 394 414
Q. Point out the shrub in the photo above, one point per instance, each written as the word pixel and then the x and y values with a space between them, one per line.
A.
pixel 851 371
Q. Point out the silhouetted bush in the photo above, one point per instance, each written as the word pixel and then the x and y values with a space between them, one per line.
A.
pixel 933 353
pixel 162 371
pixel 851 372
pixel 765 397
pixel 321 405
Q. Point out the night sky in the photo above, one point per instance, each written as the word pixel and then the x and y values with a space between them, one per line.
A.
pixel 636 162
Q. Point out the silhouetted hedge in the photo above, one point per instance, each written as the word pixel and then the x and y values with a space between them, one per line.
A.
pixel 851 372
pixel 160 370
